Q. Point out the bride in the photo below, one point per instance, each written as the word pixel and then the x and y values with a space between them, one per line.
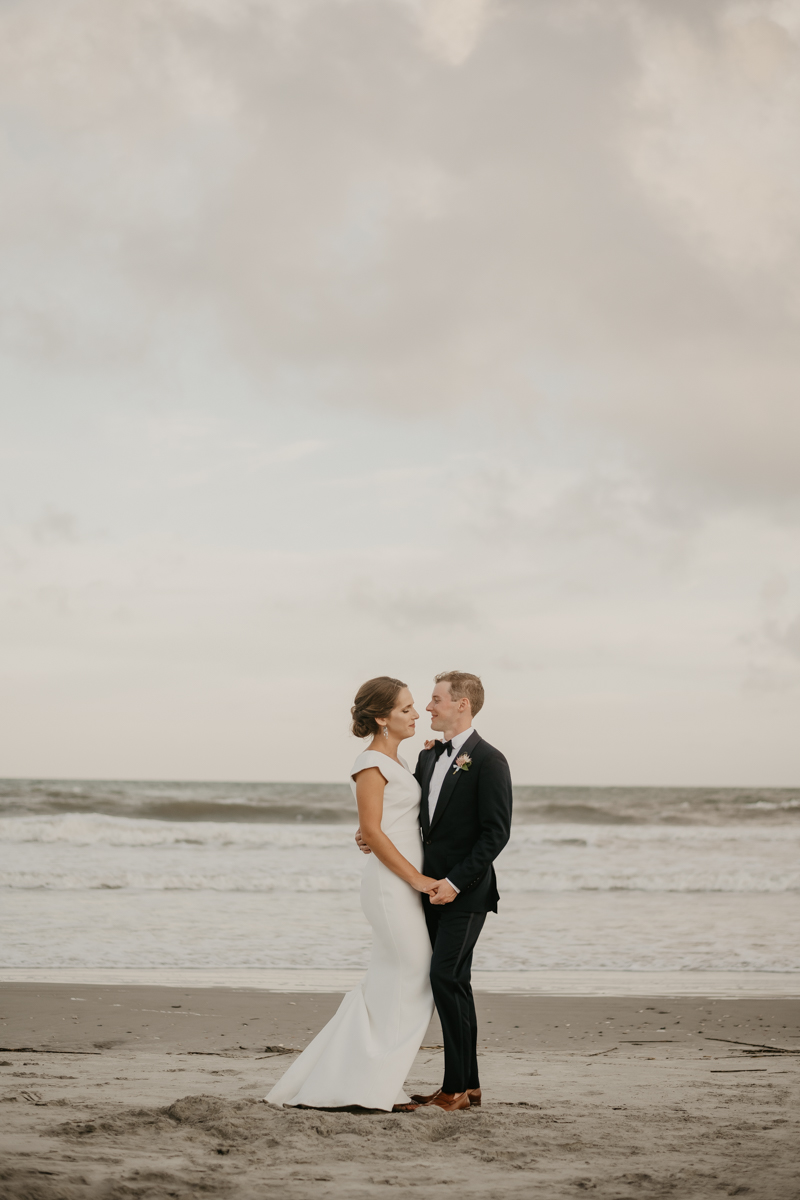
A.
pixel 364 1053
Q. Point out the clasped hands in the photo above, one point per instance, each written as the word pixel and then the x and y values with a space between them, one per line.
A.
pixel 442 892
pixel 439 890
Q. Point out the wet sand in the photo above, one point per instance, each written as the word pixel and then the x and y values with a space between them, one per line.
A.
pixel 111 1092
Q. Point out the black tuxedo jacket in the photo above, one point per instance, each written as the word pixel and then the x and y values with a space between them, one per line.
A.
pixel 471 823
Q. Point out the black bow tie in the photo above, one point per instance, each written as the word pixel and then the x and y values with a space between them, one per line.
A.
pixel 440 747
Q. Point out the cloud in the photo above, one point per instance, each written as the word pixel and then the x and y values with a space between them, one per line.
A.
pixel 775 641
pixel 788 636
pixel 412 607
pixel 380 330
pixel 297 450
pixel 451 28
pixel 713 137
pixel 597 214
pixel 54 526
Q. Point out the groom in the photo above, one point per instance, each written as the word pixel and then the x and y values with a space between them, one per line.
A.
pixel 465 815
pixel 465 819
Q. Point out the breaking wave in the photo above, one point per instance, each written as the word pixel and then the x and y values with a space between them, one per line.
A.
pixel 92 851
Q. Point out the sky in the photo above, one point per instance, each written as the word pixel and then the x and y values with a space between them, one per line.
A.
pixel 354 337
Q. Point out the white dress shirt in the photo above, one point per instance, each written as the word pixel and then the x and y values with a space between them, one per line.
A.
pixel 445 763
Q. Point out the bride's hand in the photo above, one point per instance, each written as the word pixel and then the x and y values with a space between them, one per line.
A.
pixel 431 742
pixel 424 883
pixel 360 843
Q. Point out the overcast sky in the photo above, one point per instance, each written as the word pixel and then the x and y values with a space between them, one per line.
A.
pixel 351 337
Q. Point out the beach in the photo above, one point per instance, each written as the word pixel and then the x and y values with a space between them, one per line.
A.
pixel 154 1092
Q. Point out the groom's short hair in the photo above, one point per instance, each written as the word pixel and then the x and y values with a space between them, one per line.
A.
pixel 463 684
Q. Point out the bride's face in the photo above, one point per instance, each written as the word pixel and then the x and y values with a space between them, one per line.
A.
pixel 403 717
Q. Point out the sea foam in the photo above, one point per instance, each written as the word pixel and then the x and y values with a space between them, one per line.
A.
pixel 92 851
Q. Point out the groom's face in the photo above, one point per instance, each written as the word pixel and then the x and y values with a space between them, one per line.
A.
pixel 444 710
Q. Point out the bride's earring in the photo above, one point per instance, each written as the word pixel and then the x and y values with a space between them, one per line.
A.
pixel 385 732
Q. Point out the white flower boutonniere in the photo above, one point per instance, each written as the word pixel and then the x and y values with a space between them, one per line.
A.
pixel 463 763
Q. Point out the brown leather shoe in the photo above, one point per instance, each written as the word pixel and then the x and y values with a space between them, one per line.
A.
pixel 451 1101
pixel 473 1093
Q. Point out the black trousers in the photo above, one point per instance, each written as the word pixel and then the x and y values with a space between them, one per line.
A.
pixel 453 936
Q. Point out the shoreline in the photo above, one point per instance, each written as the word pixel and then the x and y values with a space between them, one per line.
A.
pixel 711 984
pixel 157 1092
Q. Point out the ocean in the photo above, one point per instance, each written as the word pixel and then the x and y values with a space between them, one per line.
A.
pixel 243 875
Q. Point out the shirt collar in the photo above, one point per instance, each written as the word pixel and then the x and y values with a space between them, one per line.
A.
pixel 460 738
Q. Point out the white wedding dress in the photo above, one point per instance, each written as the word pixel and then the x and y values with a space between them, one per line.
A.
pixel 365 1052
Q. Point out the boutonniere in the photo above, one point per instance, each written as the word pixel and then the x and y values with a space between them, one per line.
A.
pixel 463 763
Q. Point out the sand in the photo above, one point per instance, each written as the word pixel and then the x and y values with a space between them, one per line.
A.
pixel 155 1092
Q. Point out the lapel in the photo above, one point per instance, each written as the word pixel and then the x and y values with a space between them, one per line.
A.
pixel 427 771
pixel 452 777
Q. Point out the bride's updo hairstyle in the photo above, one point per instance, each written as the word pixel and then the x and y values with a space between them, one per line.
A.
pixel 375 698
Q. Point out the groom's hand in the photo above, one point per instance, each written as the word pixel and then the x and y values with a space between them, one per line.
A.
pixel 362 845
pixel 443 893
